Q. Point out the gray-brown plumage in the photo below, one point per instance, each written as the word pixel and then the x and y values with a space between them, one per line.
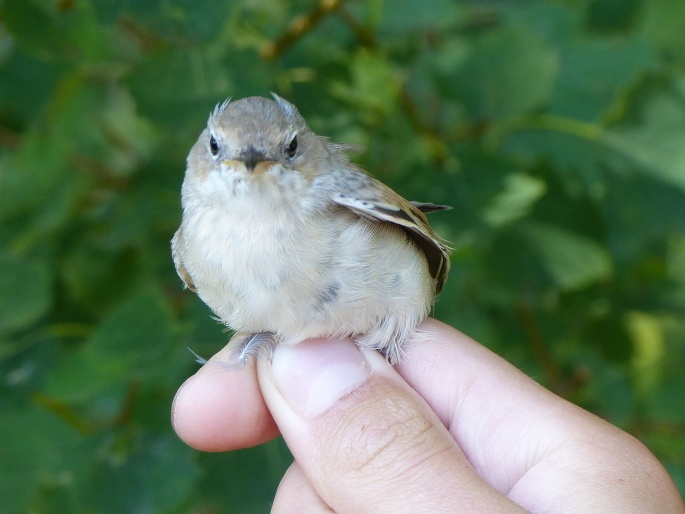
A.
pixel 283 237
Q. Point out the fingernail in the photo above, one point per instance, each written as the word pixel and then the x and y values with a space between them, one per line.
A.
pixel 313 375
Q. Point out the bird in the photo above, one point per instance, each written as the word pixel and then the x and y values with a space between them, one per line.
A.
pixel 285 239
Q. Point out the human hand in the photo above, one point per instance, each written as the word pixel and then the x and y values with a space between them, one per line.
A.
pixel 453 428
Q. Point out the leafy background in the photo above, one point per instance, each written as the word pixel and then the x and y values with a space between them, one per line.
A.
pixel 556 129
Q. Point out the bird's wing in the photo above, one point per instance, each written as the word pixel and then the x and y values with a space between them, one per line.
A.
pixel 428 207
pixel 377 202
pixel 176 255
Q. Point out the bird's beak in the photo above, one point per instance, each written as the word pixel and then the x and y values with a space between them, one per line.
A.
pixel 252 158
pixel 255 162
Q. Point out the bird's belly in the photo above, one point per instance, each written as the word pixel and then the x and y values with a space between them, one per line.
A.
pixel 258 273
pixel 334 276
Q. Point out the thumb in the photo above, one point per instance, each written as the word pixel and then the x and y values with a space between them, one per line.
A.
pixel 364 440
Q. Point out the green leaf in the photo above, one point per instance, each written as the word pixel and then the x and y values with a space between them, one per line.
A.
pixel 515 201
pixel 571 261
pixel 25 292
pixel 252 472
pixel 613 15
pixel 374 85
pixel 661 24
pixel 173 19
pixel 36 27
pixel 647 336
pixel 127 345
pixel 189 83
pixel 24 178
pixel 509 73
pixel 97 276
pixel 639 211
pixel 38 452
pixel 609 391
pixel 594 74
pixel 408 15
pixel 143 475
pixel 676 258
pixel 656 146
pixel 32 82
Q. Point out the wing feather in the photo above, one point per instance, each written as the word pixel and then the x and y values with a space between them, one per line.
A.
pixel 378 202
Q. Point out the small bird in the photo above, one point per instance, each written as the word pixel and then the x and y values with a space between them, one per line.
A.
pixel 286 240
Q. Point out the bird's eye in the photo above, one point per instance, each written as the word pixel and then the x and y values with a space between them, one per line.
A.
pixel 213 146
pixel 291 149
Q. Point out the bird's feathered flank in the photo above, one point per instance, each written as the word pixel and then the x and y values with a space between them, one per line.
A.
pixel 180 268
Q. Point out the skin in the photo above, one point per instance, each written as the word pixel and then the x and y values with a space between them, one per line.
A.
pixel 452 428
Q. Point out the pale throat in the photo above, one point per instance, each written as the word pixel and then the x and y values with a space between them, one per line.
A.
pixel 260 205
pixel 249 222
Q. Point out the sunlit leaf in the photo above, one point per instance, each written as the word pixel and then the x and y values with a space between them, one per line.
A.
pixel 572 261
pixel 515 201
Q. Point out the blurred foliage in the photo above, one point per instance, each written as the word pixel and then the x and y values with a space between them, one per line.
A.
pixel 556 129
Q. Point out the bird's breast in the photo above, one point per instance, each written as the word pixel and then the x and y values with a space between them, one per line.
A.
pixel 252 266
pixel 304 275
